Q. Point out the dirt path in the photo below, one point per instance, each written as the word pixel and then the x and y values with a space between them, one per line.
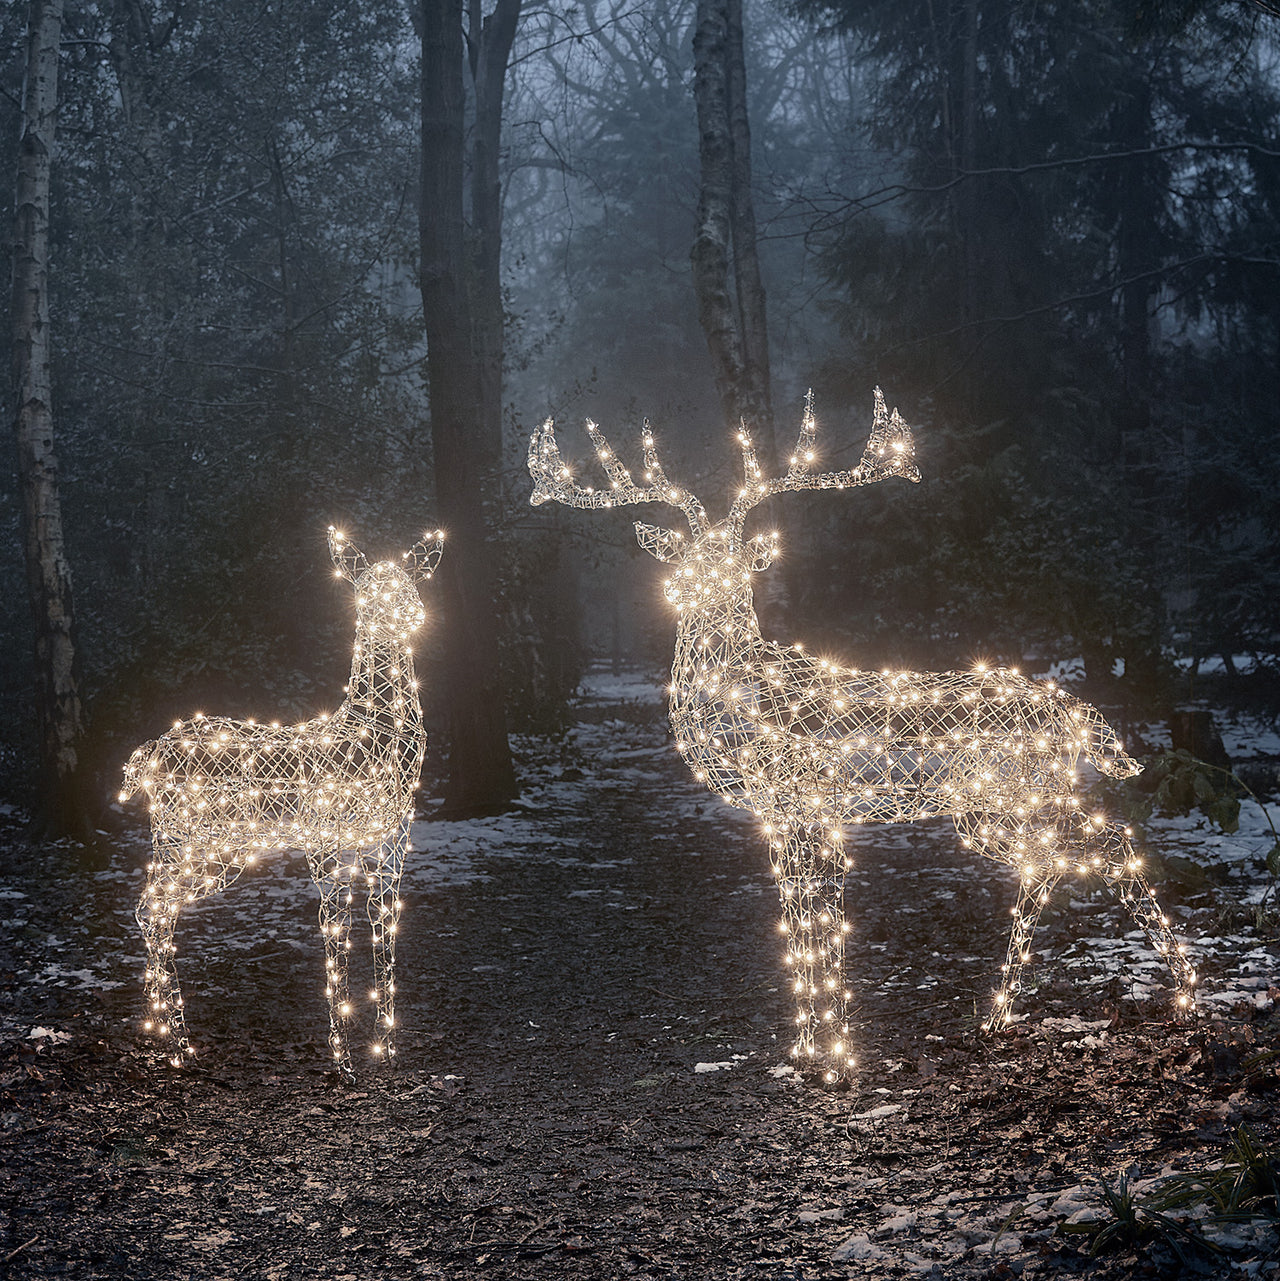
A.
pixel 591 1082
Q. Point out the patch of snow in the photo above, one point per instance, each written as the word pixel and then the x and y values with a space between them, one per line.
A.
pixel 711 1067
pixel 1007 1243
pixel 1062 670
pixel 783 1069
pixel 886 1109
pixel 1235 996
pixel 820 1216
pixel 62 976
pixel 1073 1023
pixel 898 1223
pixel 856 1247
pixel 1071 1200
pixel 49 1034
pixel 634 687
pixel 1086 1214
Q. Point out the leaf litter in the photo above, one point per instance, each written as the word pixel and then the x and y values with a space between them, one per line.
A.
pixel 592 1078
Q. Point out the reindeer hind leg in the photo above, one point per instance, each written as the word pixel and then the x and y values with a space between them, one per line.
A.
pixel 1112 855
pixel 1034 890
pixel 1019 842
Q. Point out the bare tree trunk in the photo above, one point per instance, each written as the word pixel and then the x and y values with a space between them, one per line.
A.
pixel 967 192
pixel 489 46
pixel 712 243
pixel 1137 255
pixel 757 393
pixel 58 709
pixel 733 314
pixel 481 777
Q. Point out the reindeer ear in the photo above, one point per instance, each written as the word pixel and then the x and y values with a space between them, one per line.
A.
pixel 347 557
pixel 423 557
pixel 665 544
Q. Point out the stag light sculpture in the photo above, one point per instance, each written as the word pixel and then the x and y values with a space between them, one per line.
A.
pixel 810 746
pixel 225 794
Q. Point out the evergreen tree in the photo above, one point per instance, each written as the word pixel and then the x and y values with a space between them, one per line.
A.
pixel 1083 216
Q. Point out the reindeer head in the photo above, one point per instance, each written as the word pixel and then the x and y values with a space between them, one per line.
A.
pixel 714 564
pixel 387 593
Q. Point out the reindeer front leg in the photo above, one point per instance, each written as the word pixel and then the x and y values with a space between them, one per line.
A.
pixel 384 918
pixel 810 865
pixel 335 883
pixel 157 917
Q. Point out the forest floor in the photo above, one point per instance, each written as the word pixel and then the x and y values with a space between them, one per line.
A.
pixel 592 1079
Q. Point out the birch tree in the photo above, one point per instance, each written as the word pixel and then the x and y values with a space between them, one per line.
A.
pixel 57 698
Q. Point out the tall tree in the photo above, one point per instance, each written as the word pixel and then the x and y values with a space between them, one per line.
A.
pixel 489 39
pixel 463 365
pixel 731 307
pixel 1097 203
pixel 231 323
pixel 60 719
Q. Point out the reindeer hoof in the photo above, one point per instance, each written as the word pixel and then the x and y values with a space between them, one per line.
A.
pixel 834 1078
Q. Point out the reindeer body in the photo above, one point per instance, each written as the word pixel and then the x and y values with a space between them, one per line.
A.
pixel 226 793
pixel 772 727
pixel 811 747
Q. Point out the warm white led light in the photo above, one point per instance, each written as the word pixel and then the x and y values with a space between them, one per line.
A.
pixel 224 793
pixel 810 746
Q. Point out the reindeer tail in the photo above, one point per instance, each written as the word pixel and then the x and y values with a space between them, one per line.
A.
pixel 1101 744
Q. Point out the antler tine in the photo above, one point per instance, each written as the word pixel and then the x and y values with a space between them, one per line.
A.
pixel 751 476
pixel 889 452
pixel 669 493
pixel 552 478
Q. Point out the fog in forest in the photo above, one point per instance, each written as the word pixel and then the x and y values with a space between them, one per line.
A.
pixel 1049 233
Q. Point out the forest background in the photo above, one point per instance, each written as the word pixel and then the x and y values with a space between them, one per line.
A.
pixel 1051 232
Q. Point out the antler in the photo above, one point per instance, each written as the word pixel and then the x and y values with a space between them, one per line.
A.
pixel 553 480
pixel 890 451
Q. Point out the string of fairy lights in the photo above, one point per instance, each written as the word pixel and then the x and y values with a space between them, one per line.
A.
pixel 226 794
pixel 812 747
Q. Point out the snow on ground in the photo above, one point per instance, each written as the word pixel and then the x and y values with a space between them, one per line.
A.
pixel 275 905
pixel 621 746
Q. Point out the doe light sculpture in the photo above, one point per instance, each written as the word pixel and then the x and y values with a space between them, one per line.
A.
pixel 225 794
pixel 810 746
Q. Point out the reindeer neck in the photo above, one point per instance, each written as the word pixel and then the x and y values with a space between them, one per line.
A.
pixel 718 633
pixel 382 677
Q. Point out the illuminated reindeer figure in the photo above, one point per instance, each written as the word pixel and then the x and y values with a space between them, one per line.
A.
pixel 226 793
pixel 809 746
